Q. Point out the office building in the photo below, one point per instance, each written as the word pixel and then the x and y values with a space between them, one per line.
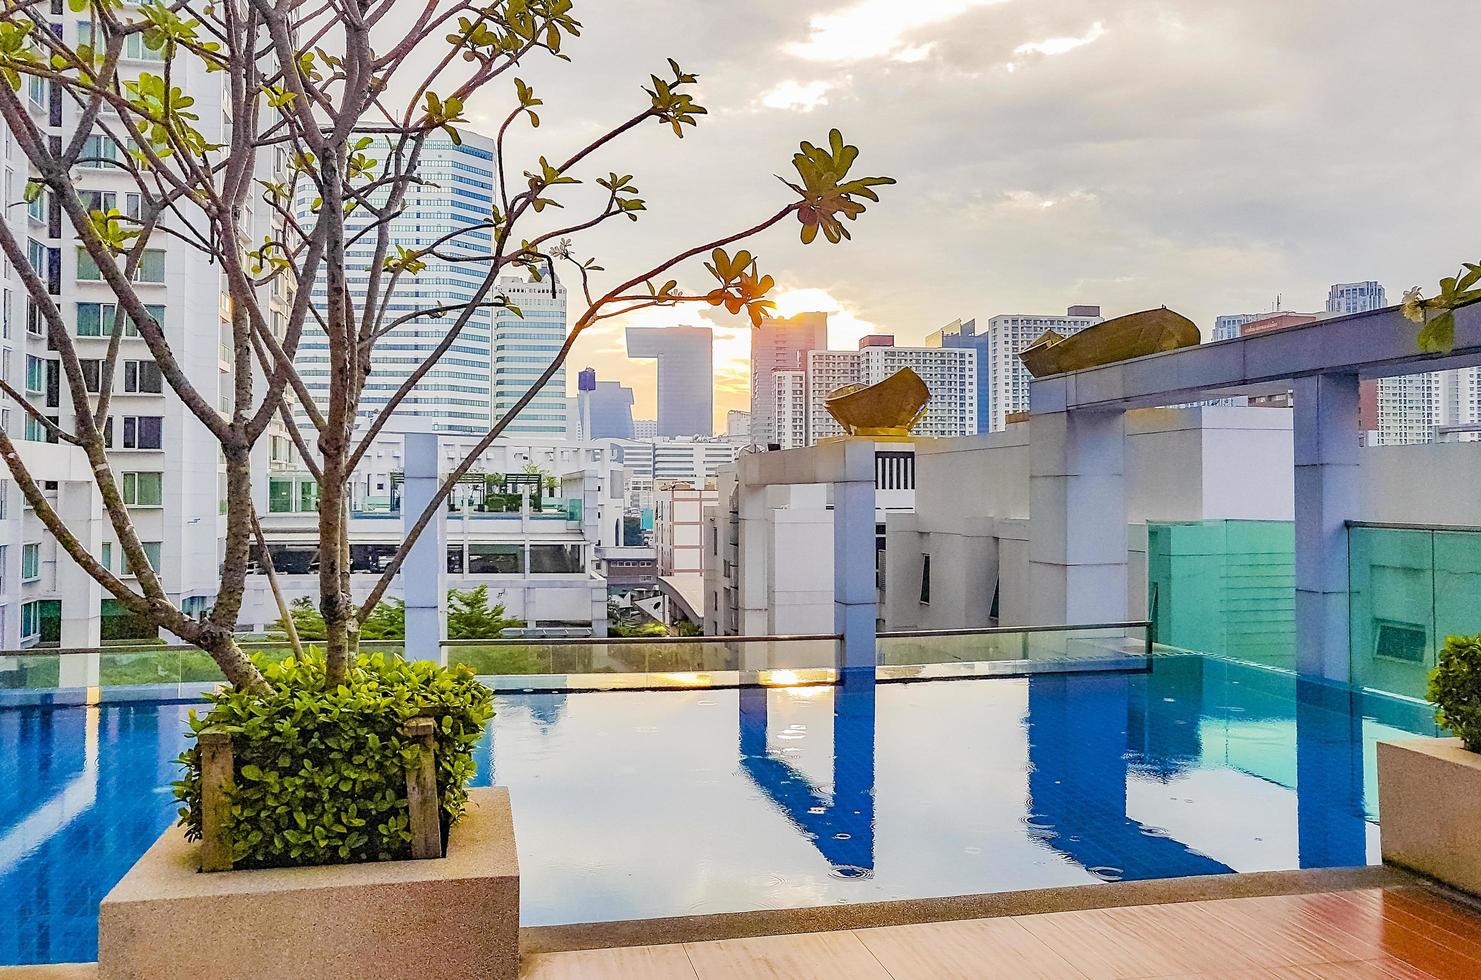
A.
pixel 1007 335
pixel 738 427
pixel 686 377
pixel 645 428
pixel 455 394
pixel 605 408
pixel 1228 326
pixel 962 334
pixel 524 345
pixel 949 373
pixel 1355 297
pixel 780 345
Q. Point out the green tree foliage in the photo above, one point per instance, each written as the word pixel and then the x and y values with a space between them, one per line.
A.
pixel 469 617
pixel 1455 687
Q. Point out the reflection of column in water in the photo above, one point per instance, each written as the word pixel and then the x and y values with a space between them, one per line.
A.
pixel 840 825
pixel 1077 739
pixel 1331 829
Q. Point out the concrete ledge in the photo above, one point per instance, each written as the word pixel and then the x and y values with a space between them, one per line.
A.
pixel 1429 793
pixel 456 917
pixel 833 918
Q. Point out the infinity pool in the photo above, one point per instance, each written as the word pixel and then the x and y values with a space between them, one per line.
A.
pixel 632 805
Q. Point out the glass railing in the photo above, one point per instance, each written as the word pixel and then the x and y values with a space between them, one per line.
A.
pixel 1012 650
pixel 1410 587
pixel 641 662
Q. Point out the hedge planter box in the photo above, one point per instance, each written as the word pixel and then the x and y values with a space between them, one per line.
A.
pixel 1429 798
pixel 456 916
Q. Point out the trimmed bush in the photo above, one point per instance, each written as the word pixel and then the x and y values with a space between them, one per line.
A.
pixel 321 775
pixel 1455 687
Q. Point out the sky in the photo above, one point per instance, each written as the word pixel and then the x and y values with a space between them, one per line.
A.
pixel 1206 155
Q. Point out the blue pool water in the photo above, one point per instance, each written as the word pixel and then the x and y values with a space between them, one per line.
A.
pixel 648 804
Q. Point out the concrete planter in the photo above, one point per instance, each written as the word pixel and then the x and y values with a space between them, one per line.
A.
pixel 1429 793
pixel 456 916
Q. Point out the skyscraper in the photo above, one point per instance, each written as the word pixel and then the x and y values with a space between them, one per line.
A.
pixel 457 191
pixel 949 373
pixel 1356 297
pixel 780 345
pixel 524 344
pixel 963 335
pixel 605 407
pixel 1007 335
pixel 686 376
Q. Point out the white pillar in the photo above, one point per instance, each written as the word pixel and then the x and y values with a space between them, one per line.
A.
pixel 80 508
pixel 1325 436
pixel 855 593
pixel 752 584
pixel 424 573
pixel 1077 525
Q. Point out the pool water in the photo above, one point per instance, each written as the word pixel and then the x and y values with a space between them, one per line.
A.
pixel 641 804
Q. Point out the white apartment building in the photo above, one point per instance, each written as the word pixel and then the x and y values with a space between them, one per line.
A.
pixel 789 409
pixel 678 529
pixel 1355 297
pixel 167 465
pixel 780 345
pixel 1007 335
pixel 950 373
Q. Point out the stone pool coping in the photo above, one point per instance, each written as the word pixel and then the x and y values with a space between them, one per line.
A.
pixel 837 918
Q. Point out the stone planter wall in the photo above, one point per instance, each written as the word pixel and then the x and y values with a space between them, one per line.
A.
pixel 451 917
pixel 1430 809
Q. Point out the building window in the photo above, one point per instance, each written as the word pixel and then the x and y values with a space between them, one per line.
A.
pixel 143 489
pixel 151 267
pixel 30 562
pixel 140 432
pixel 106 557
pixel 151 554
pixel 556 559
pixel 496 559
pixel 30 621
pixel 925 579
pixel 142 377
pixel 279 496
pixel 98 319
pixel 35 375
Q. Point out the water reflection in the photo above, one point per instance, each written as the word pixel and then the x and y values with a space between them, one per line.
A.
pixel 839 821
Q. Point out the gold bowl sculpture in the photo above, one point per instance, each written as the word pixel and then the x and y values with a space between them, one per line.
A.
pixel 889 409
pixel 1125 337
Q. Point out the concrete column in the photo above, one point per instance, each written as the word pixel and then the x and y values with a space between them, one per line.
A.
pixel 424 573
pixel 1325 437
pixel 751 573
pixel 81 508
pixel 855 595
pixel 1077 511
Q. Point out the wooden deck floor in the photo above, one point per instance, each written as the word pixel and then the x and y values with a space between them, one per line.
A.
pixel 1407 933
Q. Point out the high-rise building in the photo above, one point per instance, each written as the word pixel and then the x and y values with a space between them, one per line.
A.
pixel 962 334
pixel 167 466
pixel 524 344
pixel 1228 326
pixel 1007 335
pixel 780 345
pixel 645 428
pixel 738 427
pixel 949 373
pixel 789 409
pixel 1356 297
pixel 686 377
pixel 605 408
pixel 457 191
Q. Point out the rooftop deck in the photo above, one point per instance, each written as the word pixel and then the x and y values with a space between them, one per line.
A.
pixel 1397 932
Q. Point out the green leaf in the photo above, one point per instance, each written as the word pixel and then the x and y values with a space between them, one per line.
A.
pixel 1437 336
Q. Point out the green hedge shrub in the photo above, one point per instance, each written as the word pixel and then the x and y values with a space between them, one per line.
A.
pixel 321 775
pixel 1455 687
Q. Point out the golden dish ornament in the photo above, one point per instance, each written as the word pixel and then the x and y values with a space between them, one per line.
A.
pixel 889 409
pixel 1125 337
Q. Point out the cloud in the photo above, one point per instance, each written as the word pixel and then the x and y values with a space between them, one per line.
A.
pixel 1060 45
pixel 876 29
pixel 845 325
pixel 797 96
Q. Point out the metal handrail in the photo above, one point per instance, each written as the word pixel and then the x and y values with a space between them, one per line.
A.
pixel 1012 630
pixel 1393 526
pixel 168 647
